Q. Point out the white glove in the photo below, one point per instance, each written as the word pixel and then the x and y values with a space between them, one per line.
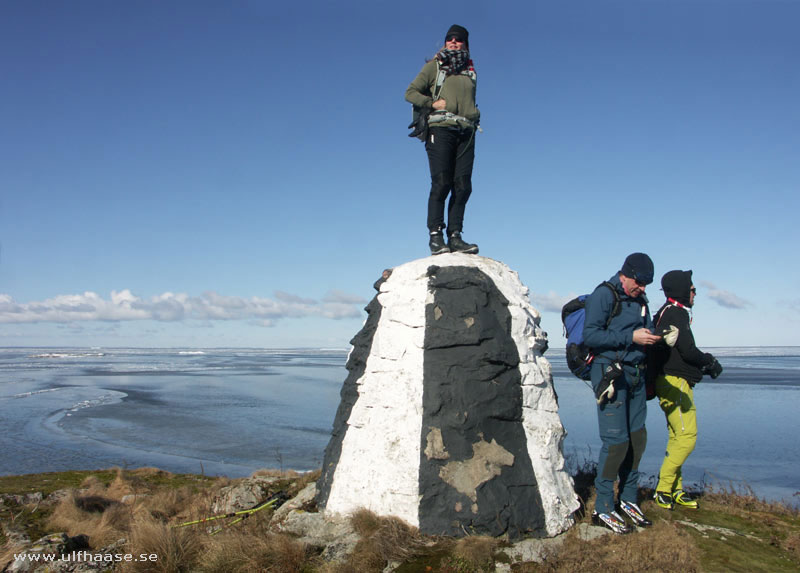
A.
pixel 671 335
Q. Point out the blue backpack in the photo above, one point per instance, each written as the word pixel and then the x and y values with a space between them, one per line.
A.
pixel 573 316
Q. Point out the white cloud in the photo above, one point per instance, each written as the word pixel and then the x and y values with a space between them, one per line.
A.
pixel 551 301
pixel 725 298
pixel 342 297
pixel 286 297
pixel 170 307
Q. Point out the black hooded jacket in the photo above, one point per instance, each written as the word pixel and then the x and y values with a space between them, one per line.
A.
pixel 683 360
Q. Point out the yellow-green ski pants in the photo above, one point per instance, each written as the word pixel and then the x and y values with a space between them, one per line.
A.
pixel 676 398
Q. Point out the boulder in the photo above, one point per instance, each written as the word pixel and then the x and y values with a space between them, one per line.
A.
pixel 244 494
pixel 306 495
pixel 332 534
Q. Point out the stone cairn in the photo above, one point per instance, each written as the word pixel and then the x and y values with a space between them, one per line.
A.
pixel 448 417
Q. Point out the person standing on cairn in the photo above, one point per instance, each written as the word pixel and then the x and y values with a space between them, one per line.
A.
pixel 444 91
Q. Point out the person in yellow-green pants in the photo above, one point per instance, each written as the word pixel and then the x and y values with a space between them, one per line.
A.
pixel 676 398
pixel 678 369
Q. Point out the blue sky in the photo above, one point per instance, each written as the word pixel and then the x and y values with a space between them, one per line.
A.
pixel 196 173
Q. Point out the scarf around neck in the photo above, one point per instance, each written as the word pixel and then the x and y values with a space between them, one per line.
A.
pixel 454 61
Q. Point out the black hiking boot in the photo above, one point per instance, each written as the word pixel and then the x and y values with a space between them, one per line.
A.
pixel 457 245
pixel 437 244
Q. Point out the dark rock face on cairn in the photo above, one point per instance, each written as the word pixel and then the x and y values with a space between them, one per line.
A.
pixel 448 417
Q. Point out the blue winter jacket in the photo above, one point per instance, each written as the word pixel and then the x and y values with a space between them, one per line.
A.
pixel 616 341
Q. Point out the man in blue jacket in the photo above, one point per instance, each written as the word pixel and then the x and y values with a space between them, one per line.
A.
pixel 617 328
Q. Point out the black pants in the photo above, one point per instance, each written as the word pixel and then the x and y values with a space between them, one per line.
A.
pixel 451 153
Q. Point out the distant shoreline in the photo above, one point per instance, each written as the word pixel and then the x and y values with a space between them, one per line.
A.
pixel 554 349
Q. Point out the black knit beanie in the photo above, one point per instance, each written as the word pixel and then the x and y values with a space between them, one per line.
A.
pixel 676 285
pixel 460 32
pixel 639 267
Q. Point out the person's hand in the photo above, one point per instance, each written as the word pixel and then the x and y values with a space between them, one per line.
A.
pixel 714 369
pixel 439 104
pixel 644 337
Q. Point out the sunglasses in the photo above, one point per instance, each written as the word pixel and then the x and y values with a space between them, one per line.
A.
pixel 694 290
pixel 454 39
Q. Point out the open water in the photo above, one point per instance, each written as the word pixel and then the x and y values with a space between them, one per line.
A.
pixel 232 411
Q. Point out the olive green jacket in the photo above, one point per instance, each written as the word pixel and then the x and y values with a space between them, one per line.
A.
pixel 457 90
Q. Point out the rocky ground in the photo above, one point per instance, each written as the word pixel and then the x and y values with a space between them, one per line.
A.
pixel 90 521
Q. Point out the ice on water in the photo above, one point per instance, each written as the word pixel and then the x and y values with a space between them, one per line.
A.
pixel 236 410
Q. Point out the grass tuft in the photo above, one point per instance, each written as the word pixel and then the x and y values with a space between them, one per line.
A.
pixel 792 544
pixel 247 551
pixel 103 521
pixel 383 539
pixel 743 498
pixel 473 553
pixel 178 550
pixel 662 547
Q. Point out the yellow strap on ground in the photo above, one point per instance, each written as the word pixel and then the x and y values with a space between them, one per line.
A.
pixel 243 514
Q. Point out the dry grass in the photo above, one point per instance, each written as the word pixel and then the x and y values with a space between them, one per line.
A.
pixel 178 550
pixel 743 498
pixel 383 539
pixel 161 502
pixel 183 504
pixel 473 553
pixel 93 484
pixel 583 475
pixel 252 552
pixel 150 471
pixel 7 554
pixel 120 487
pixel 792 544
pixel 287 474
pixel 365 522
pixel 165 504
pixel 306 479
pixel 476 548
pixel 662 547
pixel 101 519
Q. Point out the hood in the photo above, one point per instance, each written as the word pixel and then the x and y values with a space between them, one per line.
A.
pixel 676 284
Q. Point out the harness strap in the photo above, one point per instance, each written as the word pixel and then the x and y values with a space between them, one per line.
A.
pixel 673 302
pixel 441 115
pixel 440 76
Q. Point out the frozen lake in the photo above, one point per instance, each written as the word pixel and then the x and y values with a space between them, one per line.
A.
pixel 230 412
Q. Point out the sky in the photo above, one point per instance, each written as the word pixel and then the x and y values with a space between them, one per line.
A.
pixel 194 173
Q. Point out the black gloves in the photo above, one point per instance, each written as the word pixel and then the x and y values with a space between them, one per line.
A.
pixel 713 368
pixel 605 390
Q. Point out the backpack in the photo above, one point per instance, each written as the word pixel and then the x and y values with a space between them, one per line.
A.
pixel 657 356
pixel 419 115
pixel 573 316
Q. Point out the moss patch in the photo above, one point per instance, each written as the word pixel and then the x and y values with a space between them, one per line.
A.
pixel 49 482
